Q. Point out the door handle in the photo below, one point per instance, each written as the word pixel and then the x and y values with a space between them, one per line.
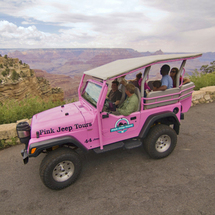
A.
pixel 105 116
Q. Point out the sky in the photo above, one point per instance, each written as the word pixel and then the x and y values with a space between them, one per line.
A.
pixel 143 25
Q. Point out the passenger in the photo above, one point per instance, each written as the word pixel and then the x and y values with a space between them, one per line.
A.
pixel 135 82
pixel 156 85
pixel 114 95
pixel 166 81
pixel 131 104
pixel 146 87
pixel 173 74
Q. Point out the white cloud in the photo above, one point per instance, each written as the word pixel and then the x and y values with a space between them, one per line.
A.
pixel 12 34
pixel 143 25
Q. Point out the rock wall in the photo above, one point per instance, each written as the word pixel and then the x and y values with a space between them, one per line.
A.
pixel 18 81
pixel 29 87
pixel 204 95
pixel 8 135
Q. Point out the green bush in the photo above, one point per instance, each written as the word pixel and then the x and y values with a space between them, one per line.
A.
pixel 6 144
pixel 202 80
pixel 5 72
pixel 12 110
pixel 15 76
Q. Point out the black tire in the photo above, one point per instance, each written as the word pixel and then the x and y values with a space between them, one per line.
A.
pixel 160 141
pixel 60 168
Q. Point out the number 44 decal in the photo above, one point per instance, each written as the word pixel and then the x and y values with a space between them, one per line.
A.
pixel 88 140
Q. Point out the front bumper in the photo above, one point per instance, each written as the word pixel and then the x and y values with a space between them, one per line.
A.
pixel 24 156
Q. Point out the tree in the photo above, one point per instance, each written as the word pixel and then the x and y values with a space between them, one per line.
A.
pixel 15 75
pixel 5 72
pixel 208 69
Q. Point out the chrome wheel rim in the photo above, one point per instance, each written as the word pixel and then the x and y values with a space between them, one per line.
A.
pixel 63 171
pixel 163 143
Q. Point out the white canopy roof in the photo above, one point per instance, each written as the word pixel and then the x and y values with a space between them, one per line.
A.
pixel 119 67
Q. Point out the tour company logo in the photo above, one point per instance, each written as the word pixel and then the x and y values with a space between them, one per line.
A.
pixel 121 126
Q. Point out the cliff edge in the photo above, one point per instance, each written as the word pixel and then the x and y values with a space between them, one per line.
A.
pixel 18 81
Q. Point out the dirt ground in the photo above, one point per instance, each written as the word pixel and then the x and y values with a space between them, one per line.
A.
pixel 124 182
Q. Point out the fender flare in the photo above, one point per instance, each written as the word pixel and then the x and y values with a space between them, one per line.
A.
pixel 166 118
pixel 42 145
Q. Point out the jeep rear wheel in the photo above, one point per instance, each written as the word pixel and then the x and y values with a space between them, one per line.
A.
pixel 60 168
pixel 160 142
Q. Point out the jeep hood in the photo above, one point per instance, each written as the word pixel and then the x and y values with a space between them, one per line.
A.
pixel 63 117
pixel 61 112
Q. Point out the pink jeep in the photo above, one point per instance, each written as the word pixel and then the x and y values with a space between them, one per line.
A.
pixel 84 125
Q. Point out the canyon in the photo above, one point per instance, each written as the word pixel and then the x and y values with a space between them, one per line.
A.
pixel 64 67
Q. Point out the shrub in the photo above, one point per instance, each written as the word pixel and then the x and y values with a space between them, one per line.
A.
pixel 13 110
pixel 6 144
pixel 202 80
pixel 15 76
pixel 5 72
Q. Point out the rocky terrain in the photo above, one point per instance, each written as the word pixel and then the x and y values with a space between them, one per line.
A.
pixel 18 81
pixel 68 84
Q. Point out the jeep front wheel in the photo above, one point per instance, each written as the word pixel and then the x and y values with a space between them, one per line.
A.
pixel 160 142
pixel 60 168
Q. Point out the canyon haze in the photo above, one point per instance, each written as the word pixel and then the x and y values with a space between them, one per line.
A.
pixel 64 67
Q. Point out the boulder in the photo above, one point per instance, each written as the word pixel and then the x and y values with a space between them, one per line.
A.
pixel 197 95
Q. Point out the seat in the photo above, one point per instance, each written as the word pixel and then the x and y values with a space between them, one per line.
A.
pixel 186 96
pixel 161 98
pixel 186 90
pixel 137 92
pixel 122 90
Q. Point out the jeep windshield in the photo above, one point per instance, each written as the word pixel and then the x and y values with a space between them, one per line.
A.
pixel 91 93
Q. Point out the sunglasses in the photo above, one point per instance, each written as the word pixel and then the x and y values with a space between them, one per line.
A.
pixel 173 71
